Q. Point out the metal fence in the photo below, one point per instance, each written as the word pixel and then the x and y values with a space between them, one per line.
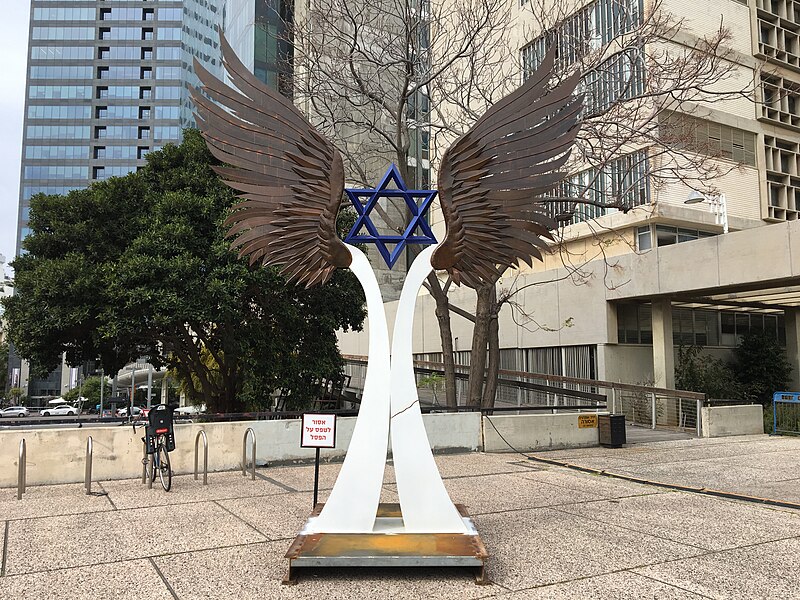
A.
pixel 786 412
pixel 642 405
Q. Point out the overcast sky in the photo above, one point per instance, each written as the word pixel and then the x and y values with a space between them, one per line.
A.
pixel 13 53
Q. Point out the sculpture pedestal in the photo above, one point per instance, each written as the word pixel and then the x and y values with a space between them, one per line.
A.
pixel 388 546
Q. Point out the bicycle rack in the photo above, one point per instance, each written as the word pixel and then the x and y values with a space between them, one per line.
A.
pixel 22 475
pixel 147 463
pixel 87 474
pixel 202 434
pixel 244 453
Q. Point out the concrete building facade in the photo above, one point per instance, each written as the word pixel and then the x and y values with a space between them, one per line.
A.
pixel 622 292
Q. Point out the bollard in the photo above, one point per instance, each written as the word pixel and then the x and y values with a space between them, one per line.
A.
pixel 87 474
pixel 205 456
pixel 244 453
pixel 22 469
pixel 144 462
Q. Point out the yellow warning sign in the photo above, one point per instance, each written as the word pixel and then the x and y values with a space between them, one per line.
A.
pixel 587 421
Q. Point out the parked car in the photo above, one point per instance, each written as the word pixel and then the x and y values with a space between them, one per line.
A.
pixel 60 410
pixel 137 410
pixel 190 410
pixel 15 411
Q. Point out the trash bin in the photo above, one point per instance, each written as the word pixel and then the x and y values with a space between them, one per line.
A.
pixel 611 429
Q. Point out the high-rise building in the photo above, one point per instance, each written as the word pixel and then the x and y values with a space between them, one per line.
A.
pixel 108 82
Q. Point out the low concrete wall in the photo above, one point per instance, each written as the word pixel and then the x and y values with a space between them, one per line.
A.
pixel 57 455
pixel 536 432
pixel 719 421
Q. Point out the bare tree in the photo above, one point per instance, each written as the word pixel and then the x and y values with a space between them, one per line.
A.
pixel 400 80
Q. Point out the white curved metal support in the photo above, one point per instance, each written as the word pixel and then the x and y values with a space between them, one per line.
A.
pixel 424 501
pixel 353 502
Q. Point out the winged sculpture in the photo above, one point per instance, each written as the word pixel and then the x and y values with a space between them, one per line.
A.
pixel 492 187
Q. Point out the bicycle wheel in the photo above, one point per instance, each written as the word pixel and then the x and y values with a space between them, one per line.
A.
pixel 164 469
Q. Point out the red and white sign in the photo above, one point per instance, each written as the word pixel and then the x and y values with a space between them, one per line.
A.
pixel 319 431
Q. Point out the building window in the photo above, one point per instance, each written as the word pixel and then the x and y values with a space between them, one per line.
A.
pixel 682 131
pixel 147 33
pixel 588 29
pixel 148 14
pixel 782 159
pixel 619 77
pixel 147 54
pixel 144 112
pixel 144 133
pixel 667 235
pixel 623 180
pixel 145 93
pixel 779 32
pixel 141 152
pixel 100 152
pixel 644 238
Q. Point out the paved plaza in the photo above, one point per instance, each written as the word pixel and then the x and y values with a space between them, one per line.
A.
pixel 551 532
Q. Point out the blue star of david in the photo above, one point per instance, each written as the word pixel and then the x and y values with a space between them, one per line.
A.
pixel 365 200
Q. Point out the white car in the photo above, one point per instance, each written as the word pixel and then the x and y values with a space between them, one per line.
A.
pixel 190 410
pixel 61 410
pixel 14 411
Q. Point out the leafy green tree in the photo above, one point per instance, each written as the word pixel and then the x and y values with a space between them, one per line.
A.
pixel 761 367
pixel 138 266
pixel 3 365
pixel 90 389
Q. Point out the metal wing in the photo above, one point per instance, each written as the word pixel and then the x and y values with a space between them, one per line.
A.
pixel 290 177
pixel 492 178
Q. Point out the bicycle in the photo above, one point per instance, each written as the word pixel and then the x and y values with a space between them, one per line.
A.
pixel 159 442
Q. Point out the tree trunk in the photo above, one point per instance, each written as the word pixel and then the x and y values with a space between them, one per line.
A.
pixel 480 337
pixel 446 335
pixel 492 369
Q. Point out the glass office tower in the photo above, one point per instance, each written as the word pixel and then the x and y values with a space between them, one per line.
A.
pixel 108 82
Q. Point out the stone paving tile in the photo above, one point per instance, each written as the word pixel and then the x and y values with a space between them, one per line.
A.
pixel 255 572
pixel 132 493
pixel 301 477
pixel 131 580
pixel 619 586
pixel 70 541
pixel 479 463
pixel 761 571
pixel 788 491
pixel 541 546
pixel 607 487
pixel 281 517
pixel 51 500
pixel 497 493
pixel 699 474
pixel 702 521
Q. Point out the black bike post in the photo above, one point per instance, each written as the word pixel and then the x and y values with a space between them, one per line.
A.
pixel 316 478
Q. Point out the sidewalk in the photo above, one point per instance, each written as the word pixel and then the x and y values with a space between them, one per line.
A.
pixel 550 532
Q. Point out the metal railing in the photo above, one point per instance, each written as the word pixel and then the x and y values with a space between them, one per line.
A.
pixel 244 452
pixel 22 468
pixel 202 434
pixel 87 473
pixel 642 405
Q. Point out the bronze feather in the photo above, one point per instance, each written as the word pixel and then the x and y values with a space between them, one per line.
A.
pixel 290 177
pixel 492 178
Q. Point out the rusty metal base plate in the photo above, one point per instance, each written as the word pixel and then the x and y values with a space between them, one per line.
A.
pixel 388 546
